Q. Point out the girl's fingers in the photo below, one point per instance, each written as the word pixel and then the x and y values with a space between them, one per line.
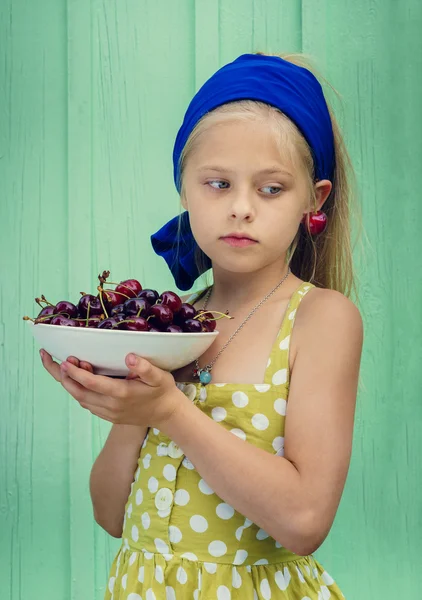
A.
pixel 74 388
pixel 52 367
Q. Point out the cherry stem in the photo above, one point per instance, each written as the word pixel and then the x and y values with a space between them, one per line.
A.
pixel 200 315
pixel 43 299
pixel 120 293
pixel 100 289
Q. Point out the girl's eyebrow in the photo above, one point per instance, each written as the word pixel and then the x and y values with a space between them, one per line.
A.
pixel 268 171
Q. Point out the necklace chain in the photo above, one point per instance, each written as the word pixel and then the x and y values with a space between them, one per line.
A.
pixel 208 367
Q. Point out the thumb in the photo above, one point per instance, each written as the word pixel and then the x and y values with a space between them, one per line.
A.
pixel 147 372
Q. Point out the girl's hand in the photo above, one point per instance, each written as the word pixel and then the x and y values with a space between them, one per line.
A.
pixel 148 396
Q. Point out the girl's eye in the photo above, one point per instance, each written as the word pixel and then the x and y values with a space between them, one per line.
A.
pixel 269 187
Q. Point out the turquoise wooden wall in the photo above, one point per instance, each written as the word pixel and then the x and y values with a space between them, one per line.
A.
pixel 91 97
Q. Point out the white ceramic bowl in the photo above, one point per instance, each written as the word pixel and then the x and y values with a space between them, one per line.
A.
pixel 106 349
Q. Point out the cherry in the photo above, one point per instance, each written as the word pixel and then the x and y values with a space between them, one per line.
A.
pixel 173 329
pixel 45 315
pixel 154 329
pixel 129 287
pixel 63 321
pixel 192 326
pixel 208 325
pixel 150 296
pixel 95 307
pixel 66 307
pixel 136 306
pixel 134 324
pixel 113 298
pixel 116 310
pixel 171 300
pixel 110 323
pixel 162 313
pixel 187 311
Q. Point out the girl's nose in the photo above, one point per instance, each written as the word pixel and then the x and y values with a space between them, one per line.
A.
pixel 242 206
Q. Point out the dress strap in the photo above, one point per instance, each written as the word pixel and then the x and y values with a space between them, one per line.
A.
pixel 278 371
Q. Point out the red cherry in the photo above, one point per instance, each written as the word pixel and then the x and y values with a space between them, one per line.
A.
pixel 112 298
pixel 110 323
pixel 134 324
pixel 150 295
pixel 192 326
pixel 63 321
pixel 95 307
pixel 130 287
pixel 67 308
pixel 187 311
pixel 208 325
pixel 317 222
pixel 162 313
pixel 137 307
pixel 171 300
pixel 174 329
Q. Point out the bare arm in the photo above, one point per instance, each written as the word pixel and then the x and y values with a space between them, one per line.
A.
pixel 112 475
pixel 293 498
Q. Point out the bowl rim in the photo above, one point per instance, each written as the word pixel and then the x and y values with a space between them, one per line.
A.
pixel 122 331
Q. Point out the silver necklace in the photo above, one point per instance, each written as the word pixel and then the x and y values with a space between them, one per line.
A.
pixel 205 373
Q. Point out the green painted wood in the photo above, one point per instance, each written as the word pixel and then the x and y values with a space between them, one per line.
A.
pixel 91 97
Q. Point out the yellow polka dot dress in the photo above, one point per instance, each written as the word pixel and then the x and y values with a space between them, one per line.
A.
pixel 180 540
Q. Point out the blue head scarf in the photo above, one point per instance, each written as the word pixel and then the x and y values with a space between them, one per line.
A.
pixel 294 90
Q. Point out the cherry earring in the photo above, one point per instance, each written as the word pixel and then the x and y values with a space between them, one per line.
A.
pixel 317 222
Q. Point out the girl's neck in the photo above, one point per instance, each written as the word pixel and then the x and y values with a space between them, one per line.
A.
pixel 240 289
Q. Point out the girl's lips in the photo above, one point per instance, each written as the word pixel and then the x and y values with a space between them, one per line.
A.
pixel 238 242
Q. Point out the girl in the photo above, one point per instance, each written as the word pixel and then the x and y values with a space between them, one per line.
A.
pixel 224 490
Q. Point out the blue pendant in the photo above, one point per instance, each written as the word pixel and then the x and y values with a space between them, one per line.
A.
pixel 205 377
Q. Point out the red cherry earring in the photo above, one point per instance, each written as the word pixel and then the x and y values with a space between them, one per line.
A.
pixel 317 222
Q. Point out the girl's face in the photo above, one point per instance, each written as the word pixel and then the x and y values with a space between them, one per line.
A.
pixel 236 183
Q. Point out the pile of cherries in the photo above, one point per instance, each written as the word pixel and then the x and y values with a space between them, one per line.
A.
pixel 127 307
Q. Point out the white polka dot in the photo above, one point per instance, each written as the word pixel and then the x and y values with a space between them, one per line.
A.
pixel 239 433
pixel 278 444
pixel 202 394
pixel 169 472
pixel 181 576
pixel 162 449
pixel 280 377
pixel 129 510
pixel 292 315
pixel 146 521
pixel 240 399
pixel 161 546
pixel 146 461
pixel 219 413
pixel 153 484
pixel 139 497
pixel 223 593
pixel 163 513
pixel 111 583
pixel 255 595
pixel 328 580
pixel 170 593
pixel 219 384
pixel 181 497
pixel 247 523
pixel 148 555
pixel 138 470
pixel 135 533
pixel 190 556
pixel 124 581
pixel 159 574
pixel 190 391
pixel 262 387
pixel 174 451
pixel 300 574
pixel 198 523
pixel 134 596
pixel 205 488
pixel 217 548
pixel 187 463
pixel 269 362
pixel 280 406
pixel 260 422
pixel 240 557
pixel 150 595
pixel 225 511
pixel 132 558
pixel 282 579
pixel 210 567
pixel 167 556
pixel 238 533
pixel 196 594
pixel 284 344
pixel 262 535
pixel 265 589
pixel 156 431
pixel 278 545
pixel 261 561
pixel 141 574
pixel 236 578
pixel 175 535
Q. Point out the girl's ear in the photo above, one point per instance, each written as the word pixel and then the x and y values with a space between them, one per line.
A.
pixel 322 191
pixel 183 201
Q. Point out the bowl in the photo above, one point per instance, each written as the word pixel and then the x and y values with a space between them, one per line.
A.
pixel 106 349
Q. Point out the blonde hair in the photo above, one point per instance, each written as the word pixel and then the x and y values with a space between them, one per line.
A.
pixel 325 260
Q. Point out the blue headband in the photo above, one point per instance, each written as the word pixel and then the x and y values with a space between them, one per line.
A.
pixel 294 90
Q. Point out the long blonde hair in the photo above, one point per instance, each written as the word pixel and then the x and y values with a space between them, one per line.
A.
pixel 325 260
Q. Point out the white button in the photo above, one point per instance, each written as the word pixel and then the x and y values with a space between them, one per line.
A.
pixel 164 499
pixel 174 451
